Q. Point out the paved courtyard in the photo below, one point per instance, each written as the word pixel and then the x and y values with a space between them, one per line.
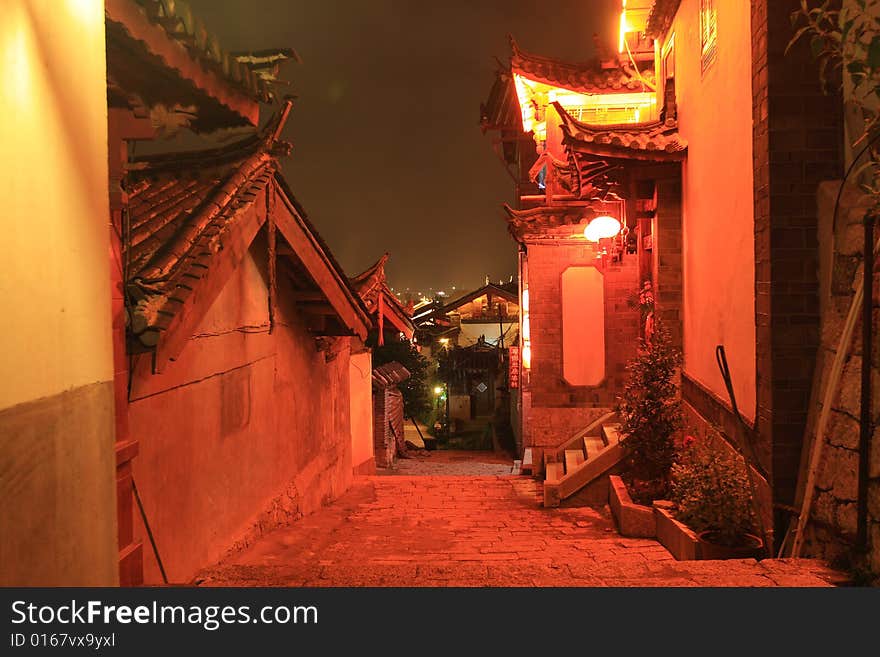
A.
pixel 419 530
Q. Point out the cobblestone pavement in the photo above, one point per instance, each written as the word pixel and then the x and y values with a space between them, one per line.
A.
pixel 476 531
pixel 451 462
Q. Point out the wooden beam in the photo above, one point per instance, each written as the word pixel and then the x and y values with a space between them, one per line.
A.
pixel 308 295
pixel 314 261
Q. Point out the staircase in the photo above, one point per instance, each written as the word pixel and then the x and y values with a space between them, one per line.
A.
pixel 587 457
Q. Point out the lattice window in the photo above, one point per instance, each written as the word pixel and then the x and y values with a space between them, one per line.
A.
pixel 708 33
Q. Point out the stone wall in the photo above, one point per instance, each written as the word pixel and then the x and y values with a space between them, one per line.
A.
pixel 833 527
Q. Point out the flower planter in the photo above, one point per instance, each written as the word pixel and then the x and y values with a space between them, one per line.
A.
pixel 633 520
pixel 709 549
pixel 685 544
pixel 675 536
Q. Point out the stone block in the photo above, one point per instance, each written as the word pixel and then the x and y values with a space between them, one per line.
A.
pixel 843 431
pixel 633 520
pixel 839 473
pixel 675 536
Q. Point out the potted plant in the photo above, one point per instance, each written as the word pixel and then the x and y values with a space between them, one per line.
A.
pixel 710 493
pixel 650 415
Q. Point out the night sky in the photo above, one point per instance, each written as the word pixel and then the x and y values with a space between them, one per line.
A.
pixel 388 153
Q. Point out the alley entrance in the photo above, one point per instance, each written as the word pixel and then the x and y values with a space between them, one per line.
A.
pixel 475 531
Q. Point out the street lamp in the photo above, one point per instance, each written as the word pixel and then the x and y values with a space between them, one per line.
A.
pixel 602 227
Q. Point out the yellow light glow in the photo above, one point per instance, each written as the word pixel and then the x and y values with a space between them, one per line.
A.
pixel 526 329
pixel 525 101
pixel 444 340
pixel 438 390
pixel 525 300
pixel 601 227
pixel 527 356
pixel 624 28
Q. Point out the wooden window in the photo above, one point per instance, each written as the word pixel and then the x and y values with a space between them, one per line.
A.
pixel 708 33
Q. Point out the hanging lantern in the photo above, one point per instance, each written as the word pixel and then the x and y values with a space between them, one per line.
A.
pixel 601 228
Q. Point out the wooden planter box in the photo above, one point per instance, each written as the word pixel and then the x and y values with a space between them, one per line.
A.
pixel 675 536
pixel 633 520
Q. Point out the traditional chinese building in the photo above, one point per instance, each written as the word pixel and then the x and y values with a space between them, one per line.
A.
pixel 213 374
pixel 706 145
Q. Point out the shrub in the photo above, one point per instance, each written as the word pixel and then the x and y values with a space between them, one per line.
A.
pixel 650 414
pixel 710 489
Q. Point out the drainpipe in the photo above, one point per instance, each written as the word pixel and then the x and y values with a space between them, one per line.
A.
pixel 867 358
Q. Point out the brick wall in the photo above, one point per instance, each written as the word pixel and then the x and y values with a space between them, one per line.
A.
pixel 797 140
pixel 667 261
pixel 557 408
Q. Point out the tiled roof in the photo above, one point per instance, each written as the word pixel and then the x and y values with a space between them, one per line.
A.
pixel 370 284
pixel 390 374
pixel 659 140
pixel 586 78
pixel 661 16
pixel 524 222
pixel 253 72
pixel 160 58
pixel 174 240
pixel 179 221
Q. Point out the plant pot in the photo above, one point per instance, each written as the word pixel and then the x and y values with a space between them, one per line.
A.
pixel 752 548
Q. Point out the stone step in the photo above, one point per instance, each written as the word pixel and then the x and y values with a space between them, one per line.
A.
pixel 573 458
pixel 611 433
pixel 593 445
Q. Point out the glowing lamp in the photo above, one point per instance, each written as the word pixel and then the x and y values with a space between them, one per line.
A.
pixel 438 390
pixel 601 228
pixel 527 356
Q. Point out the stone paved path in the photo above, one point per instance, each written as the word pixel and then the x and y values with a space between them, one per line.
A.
pixel 451 462
pixel 476 531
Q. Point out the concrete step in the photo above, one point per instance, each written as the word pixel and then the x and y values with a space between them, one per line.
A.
pixel 593 445
pixel 611 433
pixel 527 466
pixel 573 458
pixel 553 472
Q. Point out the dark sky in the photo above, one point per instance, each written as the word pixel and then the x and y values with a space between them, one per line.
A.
pixel 388 153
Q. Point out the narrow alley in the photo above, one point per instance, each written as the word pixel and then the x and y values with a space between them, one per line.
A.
pixel 411 530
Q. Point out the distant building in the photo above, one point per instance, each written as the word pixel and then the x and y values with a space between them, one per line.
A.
pixel 470 335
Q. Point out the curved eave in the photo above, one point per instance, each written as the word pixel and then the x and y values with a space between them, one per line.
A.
pixel 585 78
pixel 656 142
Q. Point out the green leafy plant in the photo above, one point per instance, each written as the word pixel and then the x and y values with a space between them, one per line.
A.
pixel 846 43
pixel 650 414
pixel 416 400
pixel 710 489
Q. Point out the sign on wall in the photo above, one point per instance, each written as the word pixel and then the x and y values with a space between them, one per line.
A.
pixel 513 369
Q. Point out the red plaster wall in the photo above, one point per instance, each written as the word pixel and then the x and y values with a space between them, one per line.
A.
pixel 718 210
pixel 242 419
pixel 556 409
